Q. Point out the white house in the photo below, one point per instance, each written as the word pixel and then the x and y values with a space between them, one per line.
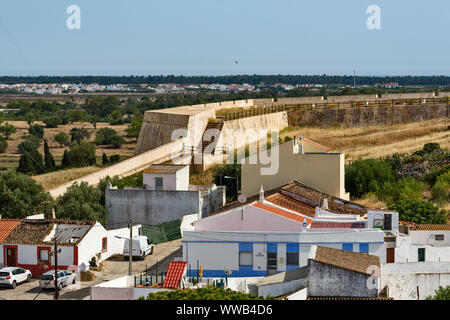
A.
pixel 31 242
pixel 273 233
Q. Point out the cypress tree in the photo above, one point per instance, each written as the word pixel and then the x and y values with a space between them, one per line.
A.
pixel 26 164
pixel 48 158
pixel 105 160
pixel 65 160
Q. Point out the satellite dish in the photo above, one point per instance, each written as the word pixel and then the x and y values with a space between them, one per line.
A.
pixel 242 198
pixel 227 271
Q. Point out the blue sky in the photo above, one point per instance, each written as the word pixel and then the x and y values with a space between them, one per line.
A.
pixel 205 37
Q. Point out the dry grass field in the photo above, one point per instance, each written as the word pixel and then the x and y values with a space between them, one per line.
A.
pixel 53 179
pixel 10 158
pixel 378 141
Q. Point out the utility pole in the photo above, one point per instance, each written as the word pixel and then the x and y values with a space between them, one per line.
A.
pixel 354 78
pixel 130 265
pixel 56 263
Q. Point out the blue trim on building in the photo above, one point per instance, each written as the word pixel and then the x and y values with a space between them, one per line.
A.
pixel 245 246
pixel 242 272
pixel 292 247
pixel 303 243
pixel 272 247
pixel 364 247
pixel 347 246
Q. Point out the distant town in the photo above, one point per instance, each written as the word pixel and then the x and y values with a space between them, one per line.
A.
pixel 77 88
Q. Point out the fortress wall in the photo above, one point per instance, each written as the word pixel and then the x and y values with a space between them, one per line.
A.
pixel 357 117
pixel 235 129
pixel 127 167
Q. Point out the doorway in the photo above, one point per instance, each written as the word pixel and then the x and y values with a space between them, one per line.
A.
pixel 271 263
pixel 11 257
pixel 390 255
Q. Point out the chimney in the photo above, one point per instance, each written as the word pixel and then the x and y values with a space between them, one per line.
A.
pixel 302 148
pixel 325 203
pixel 261 195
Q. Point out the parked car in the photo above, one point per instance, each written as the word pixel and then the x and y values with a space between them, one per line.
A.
pixel 65 278
pixel 12 276
pixel 142 246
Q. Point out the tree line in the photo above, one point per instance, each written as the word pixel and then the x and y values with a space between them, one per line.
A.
pixel 438 80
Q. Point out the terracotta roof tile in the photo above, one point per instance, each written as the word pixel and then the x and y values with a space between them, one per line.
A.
pixel 35 231
pixel 292 204
pixel 337 225
pixel 174 274
pixel 7 226
pixel 306 196
pixel 431 227
pixel 354 261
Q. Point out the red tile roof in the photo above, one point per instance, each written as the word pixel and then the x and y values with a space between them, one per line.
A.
pixel 431 227
pixel 282 212
pixel 337 225
pixel 174 274
pixel 7 226
pixel 292 204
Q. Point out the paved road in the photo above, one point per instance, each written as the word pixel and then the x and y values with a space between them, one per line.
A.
pixel 113 268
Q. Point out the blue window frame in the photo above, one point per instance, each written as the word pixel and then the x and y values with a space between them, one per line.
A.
pixel 347 246
pixel 364 247
pixel 292 247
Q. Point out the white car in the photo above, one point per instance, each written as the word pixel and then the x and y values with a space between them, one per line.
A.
pixel 142 246
pixel 12 276
pixel 65 278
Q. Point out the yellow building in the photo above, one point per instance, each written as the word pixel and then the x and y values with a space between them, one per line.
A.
pixel 302 160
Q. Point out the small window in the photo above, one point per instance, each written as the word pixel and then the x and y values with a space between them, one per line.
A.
pixel 364 248
pixel 158 183
pixel 439 237
pixel 61 274
pixel 104 244
pixel 292 258
pixel 421 254
pixel 246 258
pixel 43 255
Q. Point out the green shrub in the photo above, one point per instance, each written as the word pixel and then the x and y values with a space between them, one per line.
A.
pixel 82 154
pixel 52 122
pixel 419 211
pixel 206 293
pixel 440 193
pixel 363 176
pixel 3 145
pixel 78 134
pixel 103 136
pixel 441 294
pixel 429 147
pixel 36 130
pixel 30 143
pixel 444 178
pixel 405 189
pixel 114 158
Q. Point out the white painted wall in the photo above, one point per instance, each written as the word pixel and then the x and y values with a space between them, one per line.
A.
pixel 405 279
pixel 281 256
pixel 407 250
pixel 27 254
pixel 178 180
pixel 213 256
